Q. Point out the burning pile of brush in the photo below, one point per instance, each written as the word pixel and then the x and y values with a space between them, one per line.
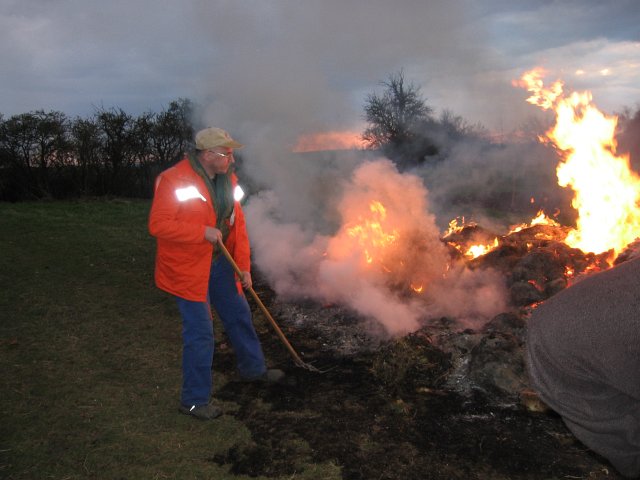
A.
pixel 543 257
pixel 387 261
pixel 534 259
pixel 387 272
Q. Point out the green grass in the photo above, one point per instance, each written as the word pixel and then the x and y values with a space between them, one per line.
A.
pixel 90 353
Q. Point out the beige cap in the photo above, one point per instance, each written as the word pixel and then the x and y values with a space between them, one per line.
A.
pixel 215 137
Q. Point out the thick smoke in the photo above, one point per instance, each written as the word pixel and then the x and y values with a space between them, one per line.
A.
pixel 497 184
pixel 383 217
pixel 283 69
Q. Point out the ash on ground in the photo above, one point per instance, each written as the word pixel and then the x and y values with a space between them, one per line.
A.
pixel 489 361
pixel 440 403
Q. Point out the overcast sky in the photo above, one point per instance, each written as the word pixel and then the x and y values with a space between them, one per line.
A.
pixel 307 65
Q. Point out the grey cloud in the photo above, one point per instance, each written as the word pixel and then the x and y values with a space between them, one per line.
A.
pixel 308 64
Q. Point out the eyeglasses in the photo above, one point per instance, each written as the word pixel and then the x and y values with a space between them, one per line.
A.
pixel 224 155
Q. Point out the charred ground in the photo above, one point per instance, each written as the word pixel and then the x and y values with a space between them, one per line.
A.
pixel 432 405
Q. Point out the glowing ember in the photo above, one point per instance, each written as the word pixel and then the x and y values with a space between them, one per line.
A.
pixel 370 232
pixel 606 190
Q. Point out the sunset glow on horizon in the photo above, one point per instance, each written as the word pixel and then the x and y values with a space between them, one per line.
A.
pixel 333 140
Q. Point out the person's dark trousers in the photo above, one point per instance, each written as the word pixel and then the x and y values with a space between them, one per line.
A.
pixel 197 334
pixel 234 312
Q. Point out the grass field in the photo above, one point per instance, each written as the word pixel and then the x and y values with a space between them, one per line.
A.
pixel 90 353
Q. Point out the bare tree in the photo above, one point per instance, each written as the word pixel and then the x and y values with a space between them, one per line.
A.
pixel 116 135
pixel 142 130
pixel 396 119
pixel 85 137
pixel 457 127
pixel 173 131
pixel 32 143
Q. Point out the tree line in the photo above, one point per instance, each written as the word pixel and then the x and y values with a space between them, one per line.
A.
pixel 111 153
pixel 49 155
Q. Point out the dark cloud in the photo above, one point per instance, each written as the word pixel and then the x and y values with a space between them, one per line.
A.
pixel 309 64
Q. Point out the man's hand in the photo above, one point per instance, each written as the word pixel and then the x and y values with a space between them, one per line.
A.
pixel 213 235
pixel 246 280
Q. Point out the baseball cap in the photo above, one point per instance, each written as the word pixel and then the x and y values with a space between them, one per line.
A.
pixel 215 137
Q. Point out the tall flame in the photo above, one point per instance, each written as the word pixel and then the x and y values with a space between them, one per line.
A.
pixel 606 190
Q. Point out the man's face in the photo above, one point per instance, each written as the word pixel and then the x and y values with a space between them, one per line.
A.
pixel 218 159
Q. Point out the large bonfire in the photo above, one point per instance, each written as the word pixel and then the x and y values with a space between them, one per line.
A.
pixel 388 261
pixel 606 191
pixel 542 256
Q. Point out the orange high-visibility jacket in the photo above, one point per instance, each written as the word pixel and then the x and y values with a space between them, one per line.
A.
pixel 181 209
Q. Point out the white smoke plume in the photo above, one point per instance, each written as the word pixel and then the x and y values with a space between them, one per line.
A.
pixel 385 246
pixel 496 182
pixel 279 70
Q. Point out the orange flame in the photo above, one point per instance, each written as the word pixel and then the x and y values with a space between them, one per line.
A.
pixel 455 227
pixel 539 219
pixel 543 97
pixel 472 251
pixel 606 190
pixel 475 251
pixel 370 233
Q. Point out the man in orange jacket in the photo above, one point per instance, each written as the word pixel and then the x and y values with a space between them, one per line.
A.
pixel 193 210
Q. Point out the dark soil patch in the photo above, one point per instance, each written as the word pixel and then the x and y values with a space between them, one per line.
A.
pixel 388 412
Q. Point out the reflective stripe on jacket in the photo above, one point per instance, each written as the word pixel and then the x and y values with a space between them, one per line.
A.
pixel 180 211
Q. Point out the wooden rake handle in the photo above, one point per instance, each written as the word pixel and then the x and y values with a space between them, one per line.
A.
pixel 299 362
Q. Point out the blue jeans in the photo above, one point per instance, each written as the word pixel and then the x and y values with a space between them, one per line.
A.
pixel 197 334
